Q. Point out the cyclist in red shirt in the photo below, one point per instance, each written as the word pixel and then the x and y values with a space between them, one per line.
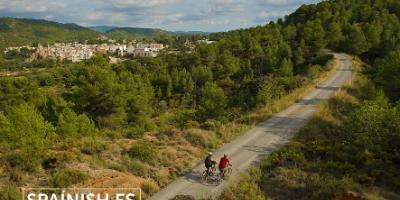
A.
pixel 223 163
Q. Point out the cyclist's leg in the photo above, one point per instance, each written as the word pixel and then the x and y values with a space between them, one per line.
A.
pixel 221 172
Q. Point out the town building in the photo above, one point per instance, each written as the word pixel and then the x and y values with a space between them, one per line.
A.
pixel 77 52
pixel 207 41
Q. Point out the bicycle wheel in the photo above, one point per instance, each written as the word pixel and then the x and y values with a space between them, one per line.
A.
pixel 204 175
pixel 229 171
pixel 218 179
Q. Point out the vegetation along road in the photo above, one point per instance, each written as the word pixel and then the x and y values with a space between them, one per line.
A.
pixel 262 139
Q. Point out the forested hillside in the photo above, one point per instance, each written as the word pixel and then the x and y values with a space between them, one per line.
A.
pixel 154 117
pixel 18 32
pixel 350 149
pixel 135 33
pixel 146 117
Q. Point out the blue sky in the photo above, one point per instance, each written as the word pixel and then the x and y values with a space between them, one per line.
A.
pixel 173 15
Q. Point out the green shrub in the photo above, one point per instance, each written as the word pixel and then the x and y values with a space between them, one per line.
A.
pixel 269 90
pixel 202 138
pixel 196 138
pixel 322 59
pixel 138 168
pixel 118 167
pixel 112 134
pixel 50 162
pixel 72 125
pixel 211 125
pixel 67 178
pixel 294 183
pixel 287 157
pixel 93 146
pixel 246 188
pixel 16 176
pixel 313 71
pixel 181 118
pixel 23 161
pixel 148 188
pixel 10 193
pixel 24 128
pixel 134 132
pixel 212 103
pixel 364 179
pixel 144 151
pixel 329 187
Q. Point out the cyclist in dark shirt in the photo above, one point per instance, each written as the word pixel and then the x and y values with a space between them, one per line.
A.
pixel 209 163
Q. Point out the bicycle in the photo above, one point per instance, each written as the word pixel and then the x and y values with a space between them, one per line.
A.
pixel 218 178
pixel 227 172
pixel 211 177
pixel 207 175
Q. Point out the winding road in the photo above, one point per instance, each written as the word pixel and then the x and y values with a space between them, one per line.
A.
pixel 261 140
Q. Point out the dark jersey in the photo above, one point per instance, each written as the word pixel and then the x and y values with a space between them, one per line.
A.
pixel 208 162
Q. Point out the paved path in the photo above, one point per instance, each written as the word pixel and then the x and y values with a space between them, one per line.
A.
pixel 262 139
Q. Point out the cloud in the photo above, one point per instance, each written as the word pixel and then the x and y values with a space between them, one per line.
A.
pixel 265 16
pixel 284 3
pixel 30 6
pixel 224 6
pixel 137 3
pixel 206 15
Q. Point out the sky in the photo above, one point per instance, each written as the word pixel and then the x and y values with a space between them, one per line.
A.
pixel 172 15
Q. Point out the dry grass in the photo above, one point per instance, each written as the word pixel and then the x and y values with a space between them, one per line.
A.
pixel 378 193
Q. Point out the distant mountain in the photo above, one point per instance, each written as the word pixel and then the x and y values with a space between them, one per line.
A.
pixel 134 33
pixel 16 32
pixel 19 31
pixel 102 29
pixel 192 32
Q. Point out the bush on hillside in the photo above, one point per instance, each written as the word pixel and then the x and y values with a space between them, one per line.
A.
pixel 10 193
pixel 143 151
pixel 23 161
pixel 67 178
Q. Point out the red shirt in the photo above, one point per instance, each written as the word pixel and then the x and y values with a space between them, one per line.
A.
pixel 223 162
